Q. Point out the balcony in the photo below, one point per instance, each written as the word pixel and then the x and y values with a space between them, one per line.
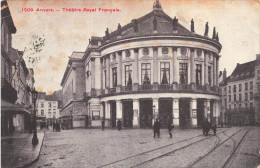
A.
pixel 8 92
pixel 155 88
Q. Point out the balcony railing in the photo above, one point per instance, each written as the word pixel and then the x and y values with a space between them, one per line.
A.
pixel 155 88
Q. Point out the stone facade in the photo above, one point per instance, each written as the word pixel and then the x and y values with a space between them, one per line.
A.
pixel 151 68
pixel 73 87
pixel 239 101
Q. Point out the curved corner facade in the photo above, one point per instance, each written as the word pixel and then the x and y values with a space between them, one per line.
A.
pixel 151 69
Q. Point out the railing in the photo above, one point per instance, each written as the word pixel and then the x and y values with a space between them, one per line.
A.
pixel 111 90
pixel 165 87
pixel 146 87
pixel 171 88
pixel 126 88
pixel 184 87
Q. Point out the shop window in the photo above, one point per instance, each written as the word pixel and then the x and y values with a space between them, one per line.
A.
pixel 95 115
pixel 251 85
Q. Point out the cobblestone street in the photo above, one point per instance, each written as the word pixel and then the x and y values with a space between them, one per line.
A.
pixel 137 147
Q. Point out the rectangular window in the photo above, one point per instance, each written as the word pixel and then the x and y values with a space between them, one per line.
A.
pixel 42 112
pixel 240 97
pixel 42 105
pixel 251 95
pixel 49 104
pixel 165 72
pixel 246 86
pixel 240 87
pixel 251 105
pixel 246 105
pixel 183 73
pixel 95 115
pixel 251 85
pixel 246 96
pixel 209 75
pixel 198 74
pixel 234 88
pixel 128 75
pixel 235 97
pixel 229 106
pixel 114 76
pixel 229 89
pixel 146 73
pixel 229 98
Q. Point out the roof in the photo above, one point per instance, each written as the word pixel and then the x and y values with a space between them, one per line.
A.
pixel 77 55
pixel 10 107
pixel 155 23
pixel 243 71
pixel 51 98
pixel 41 95
pixel 6 16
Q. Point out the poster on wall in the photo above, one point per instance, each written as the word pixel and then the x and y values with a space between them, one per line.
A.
pixel 85 60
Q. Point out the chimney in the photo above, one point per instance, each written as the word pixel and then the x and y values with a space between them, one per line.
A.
pixel 224 74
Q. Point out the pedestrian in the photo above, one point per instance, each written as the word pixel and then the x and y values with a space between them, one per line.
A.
pixel 170 126
pixel 119 125
pixel 103 124
pixel 156 128
pixel 214 127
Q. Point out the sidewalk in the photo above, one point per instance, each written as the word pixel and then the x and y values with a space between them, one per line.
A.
pixel 17 150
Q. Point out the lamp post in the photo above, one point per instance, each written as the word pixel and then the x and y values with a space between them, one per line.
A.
pixel 34 98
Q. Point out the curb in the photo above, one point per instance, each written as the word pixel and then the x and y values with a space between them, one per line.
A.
pixel 36 159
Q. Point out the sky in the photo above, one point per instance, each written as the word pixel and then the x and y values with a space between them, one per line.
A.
pixel 237 23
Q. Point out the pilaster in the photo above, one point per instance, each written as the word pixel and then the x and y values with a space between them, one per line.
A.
pixel 175 112
pixel 175 67
pixel 136 113
pixel 155 65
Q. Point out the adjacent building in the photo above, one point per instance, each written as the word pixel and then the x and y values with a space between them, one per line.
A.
pixel 74 112
pixel 16 104
pixel 239 94
pixel 150 68
pixel 48 108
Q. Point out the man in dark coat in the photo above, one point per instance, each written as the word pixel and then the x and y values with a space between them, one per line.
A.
pixel 214 127
pixel 169 126
pixel 156 128
pixel 119 125
pixel 103 124
pixel 206 127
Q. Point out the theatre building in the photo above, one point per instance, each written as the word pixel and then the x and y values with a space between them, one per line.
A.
pixel 152 68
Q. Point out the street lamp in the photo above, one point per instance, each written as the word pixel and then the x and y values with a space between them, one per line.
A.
pixel 34 98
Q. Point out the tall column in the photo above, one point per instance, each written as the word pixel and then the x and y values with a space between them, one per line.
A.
pixel 101 74
pixel 206 82
pixel 107 113
pixel 119 69
pixel 207 109
pixel 175 67
pixel 97 76
pixel 93 73
pixel 119 72
pixel 119 114
pixel 214 69
pixel 108 72
pixel 175 112
pixel 136 113
pixel 155 109
pixel 217 70
pixel 102 116
pixel 74 86
pixel 192 67
pixel 155 65
pixel 193 112
pixel 135 71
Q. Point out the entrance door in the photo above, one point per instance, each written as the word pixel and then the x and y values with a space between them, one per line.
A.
pixel 184 113
pixel 165 112
pixel 113 113
pixel 127 114
pixel 200 112
pixel 146 113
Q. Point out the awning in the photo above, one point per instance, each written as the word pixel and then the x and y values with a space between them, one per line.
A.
pixel 14 108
